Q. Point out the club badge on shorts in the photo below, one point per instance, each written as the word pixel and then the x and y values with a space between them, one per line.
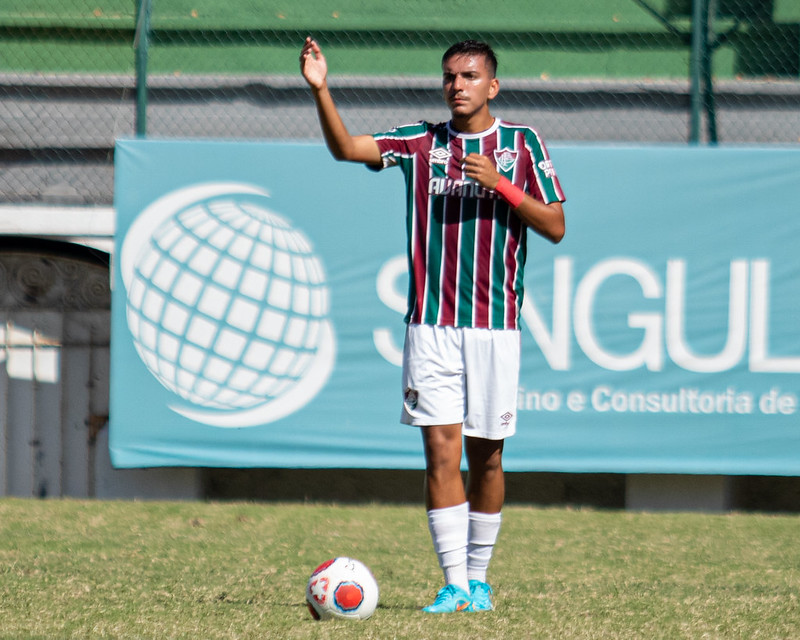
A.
pixel 410 398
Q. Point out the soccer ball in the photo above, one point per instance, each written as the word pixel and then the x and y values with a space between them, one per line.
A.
pixel 342 588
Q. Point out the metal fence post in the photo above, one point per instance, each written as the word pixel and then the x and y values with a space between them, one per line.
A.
pixel 698 54
pixel 141 46
pixel 711 43
pixel 704 42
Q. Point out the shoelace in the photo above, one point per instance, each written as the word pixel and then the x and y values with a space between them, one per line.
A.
pixel 444 594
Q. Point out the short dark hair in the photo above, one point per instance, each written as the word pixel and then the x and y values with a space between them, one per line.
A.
pixel 471 48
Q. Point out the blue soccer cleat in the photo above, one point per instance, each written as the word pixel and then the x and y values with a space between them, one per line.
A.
pixel 481 594
pixel 450 599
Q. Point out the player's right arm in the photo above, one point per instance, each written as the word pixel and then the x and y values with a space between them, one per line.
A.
pixel 341 144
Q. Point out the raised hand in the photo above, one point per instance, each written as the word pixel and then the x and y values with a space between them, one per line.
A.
pixel 313 65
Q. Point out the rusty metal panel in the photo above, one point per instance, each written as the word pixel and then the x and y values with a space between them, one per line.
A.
pixel 55 326
pixel 76 367
pixel 98 380
pixel 19 409
pixel 54 350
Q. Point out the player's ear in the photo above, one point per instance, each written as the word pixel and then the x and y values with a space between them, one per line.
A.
pixel 494 88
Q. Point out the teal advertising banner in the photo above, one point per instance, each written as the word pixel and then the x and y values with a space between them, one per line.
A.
pixel 259 291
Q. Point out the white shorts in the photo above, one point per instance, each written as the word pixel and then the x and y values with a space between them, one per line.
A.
pixel 462 375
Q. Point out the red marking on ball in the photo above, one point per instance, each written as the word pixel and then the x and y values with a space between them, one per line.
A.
pixel 348 596
pixel 323 566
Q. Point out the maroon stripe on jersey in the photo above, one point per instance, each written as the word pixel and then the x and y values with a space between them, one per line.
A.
pixel 451 240
pixel 534 189
pixel 524 169
pixel 483 265
pixel 512 246
pixel 484 243
pixel 418 220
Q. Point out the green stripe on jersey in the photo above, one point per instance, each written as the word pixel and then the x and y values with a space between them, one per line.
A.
pixel 498 310
pixel 467 254
pixel 408 166
pixel 435 241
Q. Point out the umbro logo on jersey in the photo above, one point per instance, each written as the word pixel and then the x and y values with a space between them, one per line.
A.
pixel 505 159
pixel 439 155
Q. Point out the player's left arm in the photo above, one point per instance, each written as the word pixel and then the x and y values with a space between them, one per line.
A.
pixel 545 219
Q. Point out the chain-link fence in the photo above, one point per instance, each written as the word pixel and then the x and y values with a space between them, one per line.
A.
pixel 76 74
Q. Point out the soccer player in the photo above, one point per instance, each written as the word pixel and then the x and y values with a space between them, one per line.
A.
pixel 475 185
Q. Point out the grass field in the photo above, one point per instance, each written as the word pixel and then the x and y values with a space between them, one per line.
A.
pixel 82 569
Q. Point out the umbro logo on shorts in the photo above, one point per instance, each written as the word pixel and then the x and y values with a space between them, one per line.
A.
pixel 505 419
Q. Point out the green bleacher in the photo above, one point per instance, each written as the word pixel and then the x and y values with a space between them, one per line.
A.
pixel 533 38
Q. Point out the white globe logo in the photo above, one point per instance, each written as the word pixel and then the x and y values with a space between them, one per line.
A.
pixel 227 305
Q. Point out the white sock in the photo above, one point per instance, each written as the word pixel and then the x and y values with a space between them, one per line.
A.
pixel 483 530
pixel 449 527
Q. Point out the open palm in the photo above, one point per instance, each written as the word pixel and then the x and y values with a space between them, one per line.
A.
pixel 313 64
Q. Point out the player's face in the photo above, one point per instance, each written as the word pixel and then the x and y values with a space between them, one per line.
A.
pixel 468 85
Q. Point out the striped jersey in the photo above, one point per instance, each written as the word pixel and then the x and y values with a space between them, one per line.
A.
pixel 466 247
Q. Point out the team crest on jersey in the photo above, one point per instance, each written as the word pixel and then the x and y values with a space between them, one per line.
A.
pixel 505 159
pixel 439 155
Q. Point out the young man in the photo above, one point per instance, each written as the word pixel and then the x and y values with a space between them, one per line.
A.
pixel 475 185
